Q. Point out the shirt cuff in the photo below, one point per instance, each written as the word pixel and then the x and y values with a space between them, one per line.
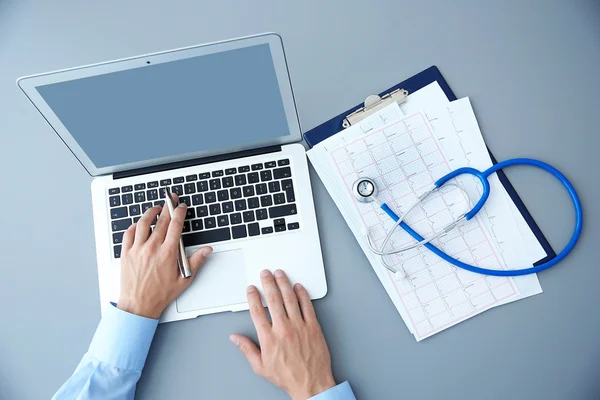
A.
pixel 123 339
pixel 343 391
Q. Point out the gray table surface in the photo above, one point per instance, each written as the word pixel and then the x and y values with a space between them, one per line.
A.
pixel 531 70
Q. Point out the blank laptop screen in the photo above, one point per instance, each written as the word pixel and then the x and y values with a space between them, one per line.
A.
pixel 215 101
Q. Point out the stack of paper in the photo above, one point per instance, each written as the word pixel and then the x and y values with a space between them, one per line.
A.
pixel 405 149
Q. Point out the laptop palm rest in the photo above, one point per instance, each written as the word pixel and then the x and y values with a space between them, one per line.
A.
pixel 221 281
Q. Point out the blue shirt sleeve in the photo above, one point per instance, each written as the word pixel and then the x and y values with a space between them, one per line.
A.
pixel 339 392
pixel 114 362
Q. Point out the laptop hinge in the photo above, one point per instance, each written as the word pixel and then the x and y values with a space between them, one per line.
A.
pixel 196 161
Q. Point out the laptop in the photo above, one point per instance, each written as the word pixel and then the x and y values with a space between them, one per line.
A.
pixel 217 124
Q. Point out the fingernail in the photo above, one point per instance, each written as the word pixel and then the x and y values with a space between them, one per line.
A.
pixel 234 340
pixel 207 251
pixel 264 273
pixel 182 205
pixel 298 286
pixel 278 273
pixel 251 289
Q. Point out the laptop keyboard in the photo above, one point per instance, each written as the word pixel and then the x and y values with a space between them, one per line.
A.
pixel 222 205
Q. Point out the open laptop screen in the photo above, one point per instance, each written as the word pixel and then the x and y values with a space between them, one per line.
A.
pixel 224 100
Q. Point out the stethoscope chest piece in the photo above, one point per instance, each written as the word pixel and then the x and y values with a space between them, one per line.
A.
pixel 364 190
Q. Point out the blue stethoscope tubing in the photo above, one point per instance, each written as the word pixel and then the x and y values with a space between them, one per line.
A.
pixel 482 176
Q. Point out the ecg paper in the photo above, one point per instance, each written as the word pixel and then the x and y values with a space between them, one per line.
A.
pixel 404 159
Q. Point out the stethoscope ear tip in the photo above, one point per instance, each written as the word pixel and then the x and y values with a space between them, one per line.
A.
pixel 399 274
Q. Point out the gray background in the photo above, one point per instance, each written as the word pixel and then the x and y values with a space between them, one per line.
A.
pixel 531 70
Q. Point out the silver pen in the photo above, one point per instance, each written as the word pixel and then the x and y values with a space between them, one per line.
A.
pixel 182 260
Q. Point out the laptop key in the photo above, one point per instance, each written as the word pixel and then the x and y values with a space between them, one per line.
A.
pixel 202 186
pixel 279 221
pixel 121 224
pixel 217 173
pixel 239 231
pixel 134 210
pixel 230 171
pixel 248 191
pixel 165 182
pixel 253 177
pixel 140 197
pixel 261 214
pixel 212 236
pixel 187 226
pixel 114 201
pixel 197 225
pixel 261 188
pixel 210 197
pixel 139 186
pixel 117 251
pixel 202 211
pixel 235 193
pixel 215 184
pixel 227 206
pixel 287 184
pixel 120 212
pixel 244 168
pixel 215 209
pixel 179 179
pixel 293 225
pixel 197 199
pixel 223 195
pixel 235 218
pixel 256 167
pixel 282 211
pixel 190 188
pixel 136 219
pixel 253 229
pixel 118 237
pixel 266 175
pixel 146 206
pixel 152 194
pixel 266 201
pixel 190 213
pixel 281 163
pixel 177 189
pixel 253 202
pixel 239 180
pixel 127 198
pixel 204 175
pixel 274 187
pixel 267 230
pixel 240 205
pixel 222 220
pixel 279 198
pixel 227 182
pixel 152 184
pixel 116 190
pixel 270 164
pixel 279 228
pixel 248 216
pixel 281 173
pixel 190 178
pixel 186 200
pixel 127 189
pixel 159 203
pixel 210 222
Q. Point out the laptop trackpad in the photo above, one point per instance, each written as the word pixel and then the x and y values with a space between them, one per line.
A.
pixel 221 281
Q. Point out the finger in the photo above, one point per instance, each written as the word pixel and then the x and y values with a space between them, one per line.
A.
pixel 142 231
pixel 273 296
pixel 176 225
pixel 257 312
pixel 249 349
pixel 290 301
pixel 308 311
pixel 128 239
pixel 198 258
pixel 160 230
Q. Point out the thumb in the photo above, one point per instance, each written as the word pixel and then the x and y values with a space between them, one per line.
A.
pixel 249 349
pixel 198 258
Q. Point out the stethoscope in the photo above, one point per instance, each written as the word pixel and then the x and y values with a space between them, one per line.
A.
pixel 365 191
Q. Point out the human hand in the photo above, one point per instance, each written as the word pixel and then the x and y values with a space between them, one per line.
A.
pixel 150 277
pixel 293 353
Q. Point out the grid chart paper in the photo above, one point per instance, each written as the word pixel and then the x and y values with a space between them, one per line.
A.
pixel 405 159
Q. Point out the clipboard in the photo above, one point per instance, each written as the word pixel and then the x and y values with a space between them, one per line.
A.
pixel 398 93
